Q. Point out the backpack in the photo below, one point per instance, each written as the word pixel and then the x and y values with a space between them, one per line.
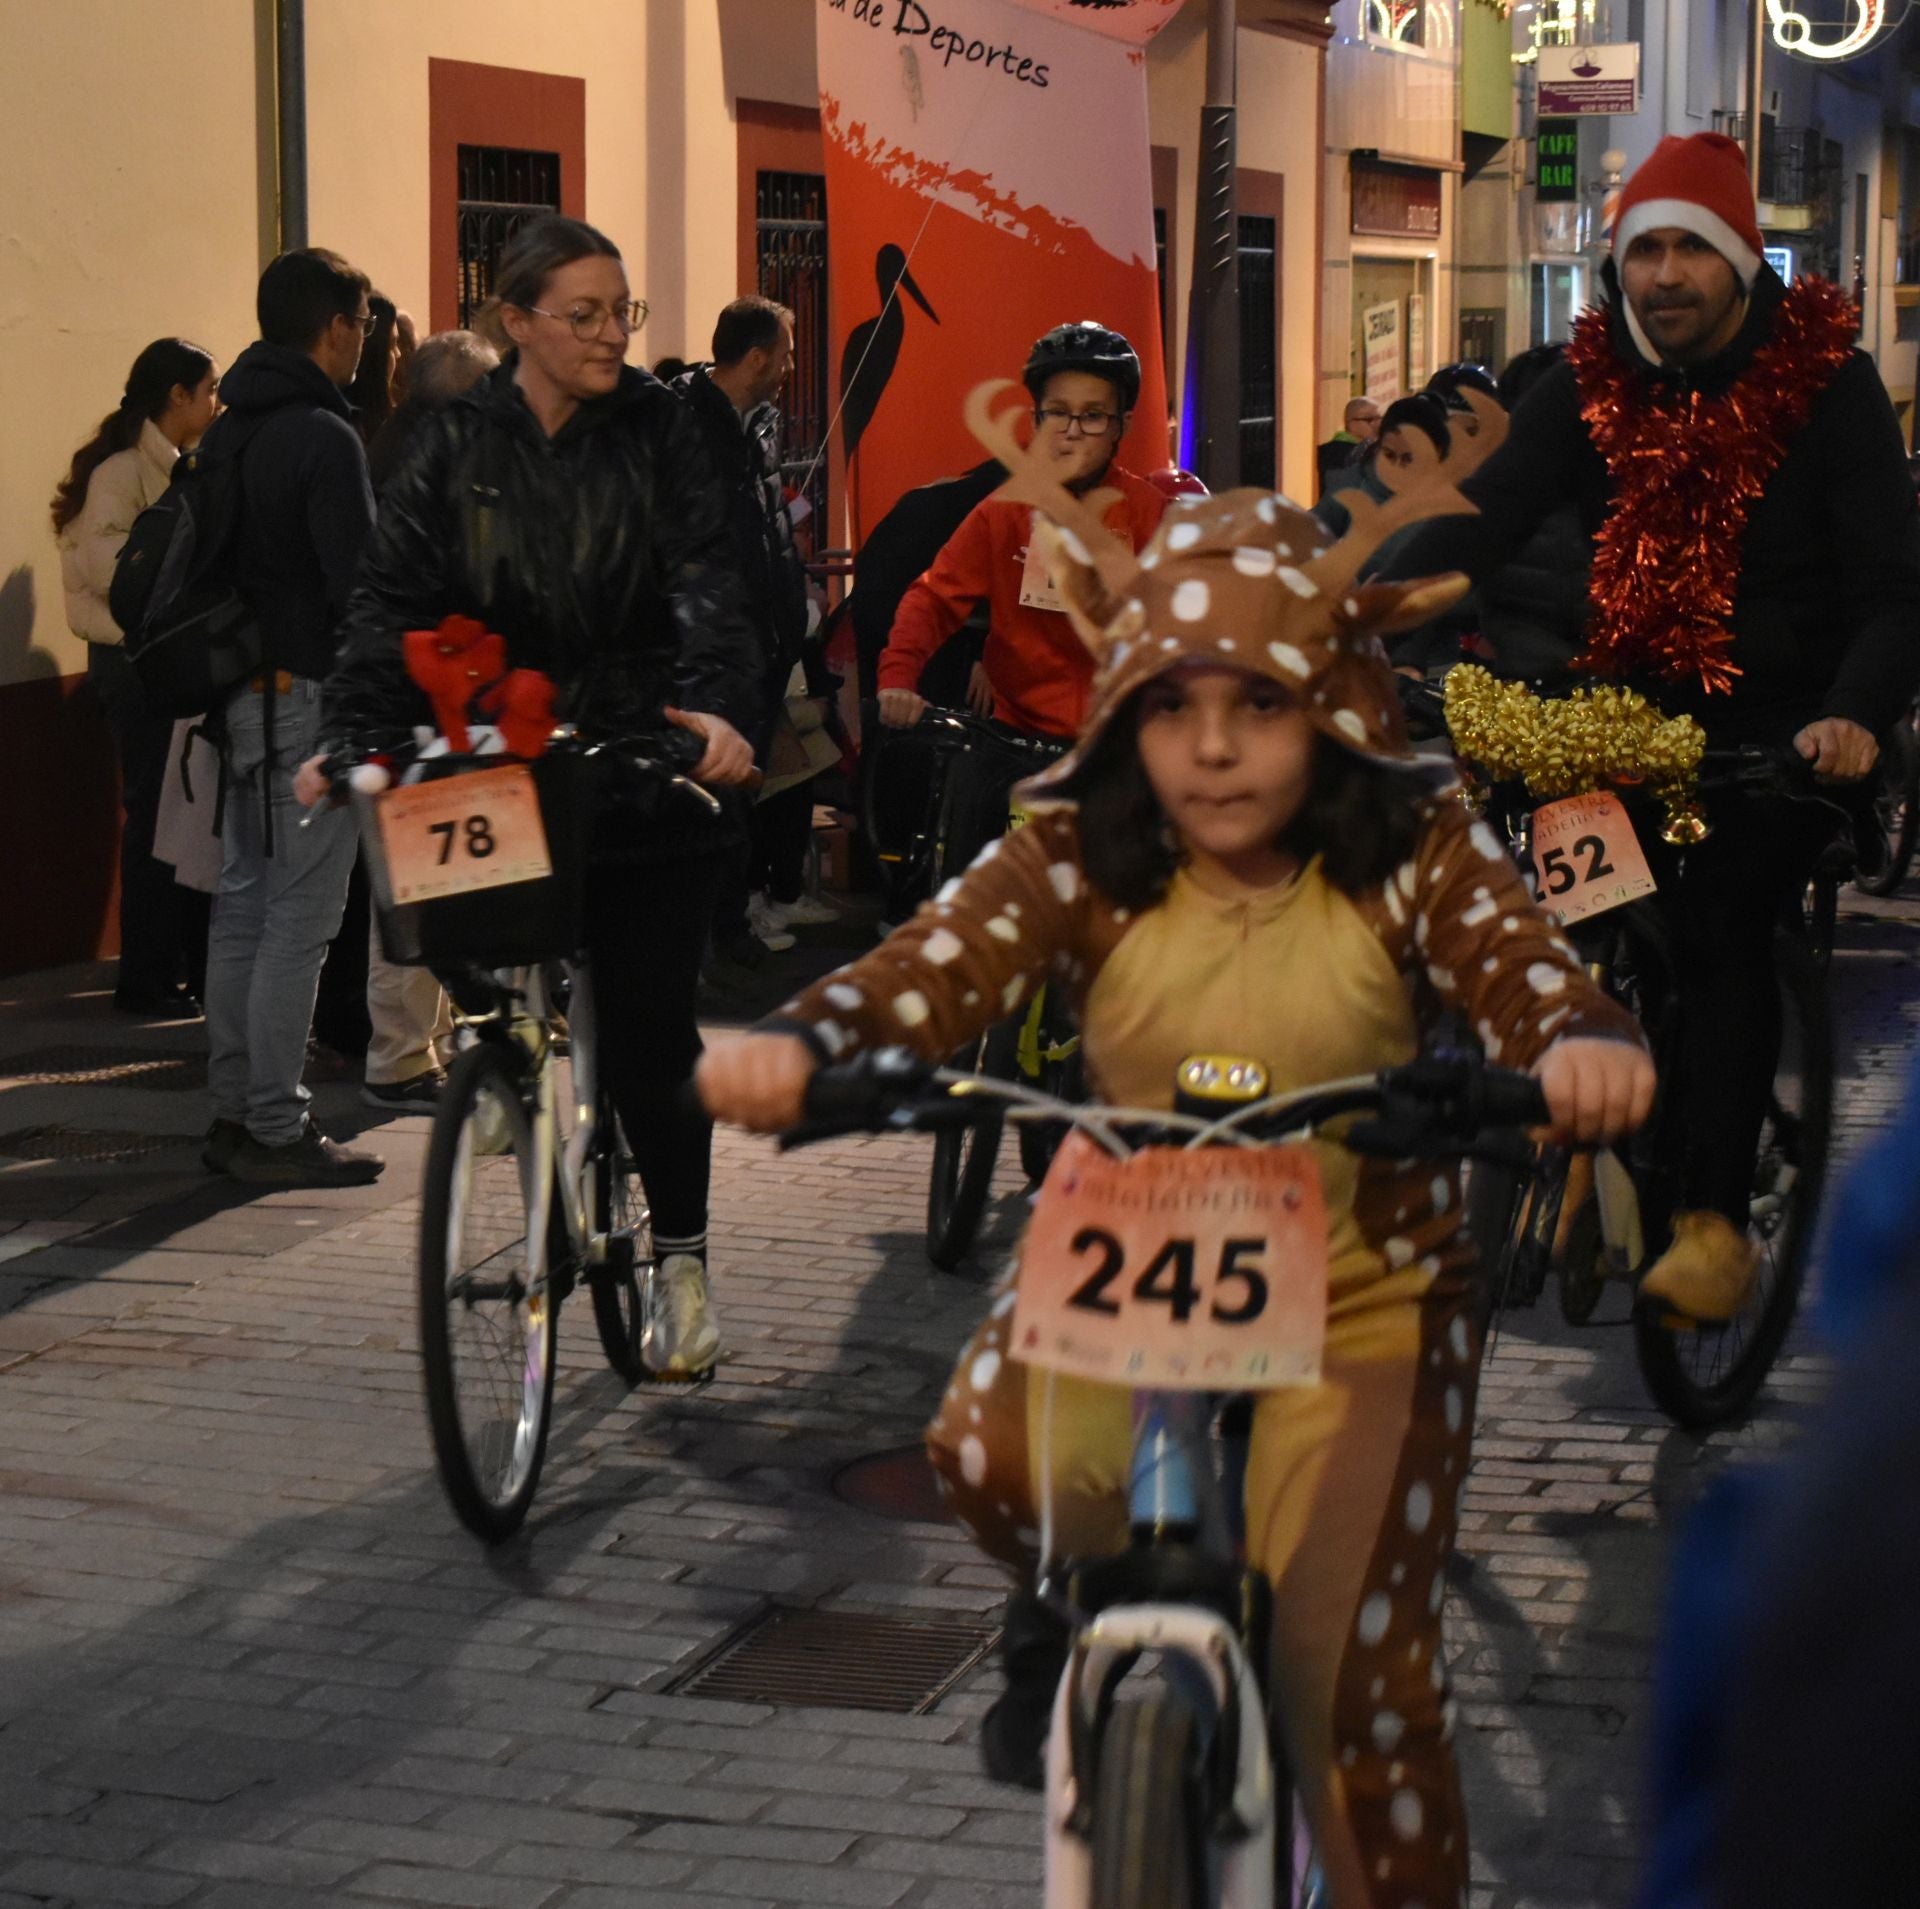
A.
pixel 188 632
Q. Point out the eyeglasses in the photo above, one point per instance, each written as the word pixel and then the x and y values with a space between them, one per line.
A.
pixel 589 321
pixel 1096 423
pixel 364 322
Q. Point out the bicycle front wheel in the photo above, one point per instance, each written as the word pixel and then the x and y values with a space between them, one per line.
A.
pixel 1149 1841
pixel 964 1157
pixel 1705 1375
pixel 487 1324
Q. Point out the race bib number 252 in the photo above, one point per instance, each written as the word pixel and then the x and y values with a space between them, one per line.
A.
pixel 1176 1269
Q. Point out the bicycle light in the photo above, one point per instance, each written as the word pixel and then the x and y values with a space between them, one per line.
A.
pixel 1208 1083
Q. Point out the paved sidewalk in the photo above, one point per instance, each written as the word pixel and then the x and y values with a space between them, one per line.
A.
pixel 247 1657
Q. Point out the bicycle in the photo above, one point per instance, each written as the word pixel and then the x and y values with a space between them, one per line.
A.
pixel 1174 1790
pixel 529 1189
pixel 1041 1046
pixel 1883 864
pixel 1699 1374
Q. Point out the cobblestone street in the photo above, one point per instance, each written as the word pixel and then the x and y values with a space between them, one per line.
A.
pixel 248 1657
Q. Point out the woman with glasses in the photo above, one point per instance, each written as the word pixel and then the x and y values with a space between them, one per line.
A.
pixel 1084 381
pixel 569 503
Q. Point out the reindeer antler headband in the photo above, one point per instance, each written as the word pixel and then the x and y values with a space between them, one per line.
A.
pixel 1244 579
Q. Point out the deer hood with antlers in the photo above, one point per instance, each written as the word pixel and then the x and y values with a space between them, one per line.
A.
pixel 1248 580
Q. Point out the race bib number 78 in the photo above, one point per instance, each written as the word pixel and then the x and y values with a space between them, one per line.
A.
pixel 1176 1269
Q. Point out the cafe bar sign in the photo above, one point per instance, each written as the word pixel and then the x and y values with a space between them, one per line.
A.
pixel 1587 81
pixel 1557 177
pixel 1395 202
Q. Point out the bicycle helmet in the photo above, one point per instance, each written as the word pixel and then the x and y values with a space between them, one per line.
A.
pixel 1451 383
pixel 1085 347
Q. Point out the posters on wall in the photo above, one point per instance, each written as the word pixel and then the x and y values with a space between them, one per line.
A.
pixel 1380 334
pixel 1417 367
pixel 989 174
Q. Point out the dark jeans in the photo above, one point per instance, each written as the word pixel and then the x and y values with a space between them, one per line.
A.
pixel 153 928
pixel 782 828
pixel 646 931
pixel 1721 901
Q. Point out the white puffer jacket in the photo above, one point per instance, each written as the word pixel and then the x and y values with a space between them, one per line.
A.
pixel 117 492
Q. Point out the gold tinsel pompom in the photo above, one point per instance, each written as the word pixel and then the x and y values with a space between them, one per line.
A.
pixel 1594 739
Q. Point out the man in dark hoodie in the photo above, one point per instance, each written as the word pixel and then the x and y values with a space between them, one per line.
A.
pixel 307 509
pixel 1756 566
pixel 733 398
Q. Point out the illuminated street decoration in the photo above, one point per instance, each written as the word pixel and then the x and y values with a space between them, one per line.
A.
pixel 1794 31
pixel 1400 22
pixel 1554 23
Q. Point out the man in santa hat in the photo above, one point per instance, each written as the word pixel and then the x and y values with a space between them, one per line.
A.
pixel 1737 463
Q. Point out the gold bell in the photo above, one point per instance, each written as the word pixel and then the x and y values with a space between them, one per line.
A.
pixel 1685 826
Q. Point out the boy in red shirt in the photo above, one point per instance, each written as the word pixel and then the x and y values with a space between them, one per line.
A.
pixel 1084 380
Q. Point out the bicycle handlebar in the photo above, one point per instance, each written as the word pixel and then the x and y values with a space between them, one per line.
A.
pixel 1438 1104
pixel 960 728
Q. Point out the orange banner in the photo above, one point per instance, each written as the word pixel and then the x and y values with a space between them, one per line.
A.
pixel 988 178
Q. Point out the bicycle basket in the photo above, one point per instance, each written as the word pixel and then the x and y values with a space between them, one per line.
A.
pixel 512 924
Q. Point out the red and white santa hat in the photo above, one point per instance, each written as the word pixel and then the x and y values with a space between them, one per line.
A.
pixel 1699 184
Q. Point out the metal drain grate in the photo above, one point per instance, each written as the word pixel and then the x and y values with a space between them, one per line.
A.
pixel 77 1143
pixel 170 1070
pixel 844 1660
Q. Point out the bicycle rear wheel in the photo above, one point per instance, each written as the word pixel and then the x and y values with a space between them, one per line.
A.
pixel 1705 1375
pixel 487 1326
pixel 1149 1838
pixel 964 1157
pixel 621 1216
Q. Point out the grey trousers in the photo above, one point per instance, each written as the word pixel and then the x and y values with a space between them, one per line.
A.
pixel 273 916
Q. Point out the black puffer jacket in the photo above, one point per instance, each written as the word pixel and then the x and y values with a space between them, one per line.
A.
pixel 1826 617
pixel 601 554
pixel 1532 612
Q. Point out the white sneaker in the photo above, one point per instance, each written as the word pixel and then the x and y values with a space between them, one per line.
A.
pixel 767 927
pixel 681 1337
pixel 808 912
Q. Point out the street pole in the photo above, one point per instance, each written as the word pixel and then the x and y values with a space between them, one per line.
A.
pixel 1756 63
pixel 290 76
pixel 1213 300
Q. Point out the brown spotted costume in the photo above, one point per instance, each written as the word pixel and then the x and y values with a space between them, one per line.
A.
pixel 1353 1483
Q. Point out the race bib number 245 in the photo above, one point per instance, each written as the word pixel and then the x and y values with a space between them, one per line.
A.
pixel 1177 1269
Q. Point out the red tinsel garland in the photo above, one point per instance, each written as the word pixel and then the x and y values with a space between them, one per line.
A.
pixel 1686 471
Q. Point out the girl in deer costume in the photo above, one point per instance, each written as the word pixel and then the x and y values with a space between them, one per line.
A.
pixel 1242 854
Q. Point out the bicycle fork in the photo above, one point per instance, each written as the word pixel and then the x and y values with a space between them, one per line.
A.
pixel 1174 1498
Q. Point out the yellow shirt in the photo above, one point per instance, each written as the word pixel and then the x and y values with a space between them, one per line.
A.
pixel 1292 977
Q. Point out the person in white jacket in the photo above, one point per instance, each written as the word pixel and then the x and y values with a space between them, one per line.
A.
pixel 170 399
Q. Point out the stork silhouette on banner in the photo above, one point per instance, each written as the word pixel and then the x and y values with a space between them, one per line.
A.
pixel 873 346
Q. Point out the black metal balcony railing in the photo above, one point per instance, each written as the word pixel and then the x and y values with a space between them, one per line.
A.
pixel 1799 165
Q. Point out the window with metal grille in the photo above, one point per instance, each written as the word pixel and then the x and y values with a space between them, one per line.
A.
pixel 501 188
pixel 791 255
pixel 1259 368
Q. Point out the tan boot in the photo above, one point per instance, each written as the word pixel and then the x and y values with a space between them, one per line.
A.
pixel 1709 1271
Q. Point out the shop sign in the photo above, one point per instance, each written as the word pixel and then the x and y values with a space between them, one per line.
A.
pixel 1586 81
pixel 1380 340
pixel 1556 179
pixel 1416 340
pixel 1395 202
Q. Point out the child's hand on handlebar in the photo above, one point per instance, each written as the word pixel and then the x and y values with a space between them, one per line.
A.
pixel 728 760
pixel 758 1082
pixel 901 708
pixel 1597 1090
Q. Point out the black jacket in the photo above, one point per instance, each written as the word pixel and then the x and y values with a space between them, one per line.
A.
pixel 1826 618
pixel 747 453
pixel 601 554
pixel 307 508
pixel 1532 612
